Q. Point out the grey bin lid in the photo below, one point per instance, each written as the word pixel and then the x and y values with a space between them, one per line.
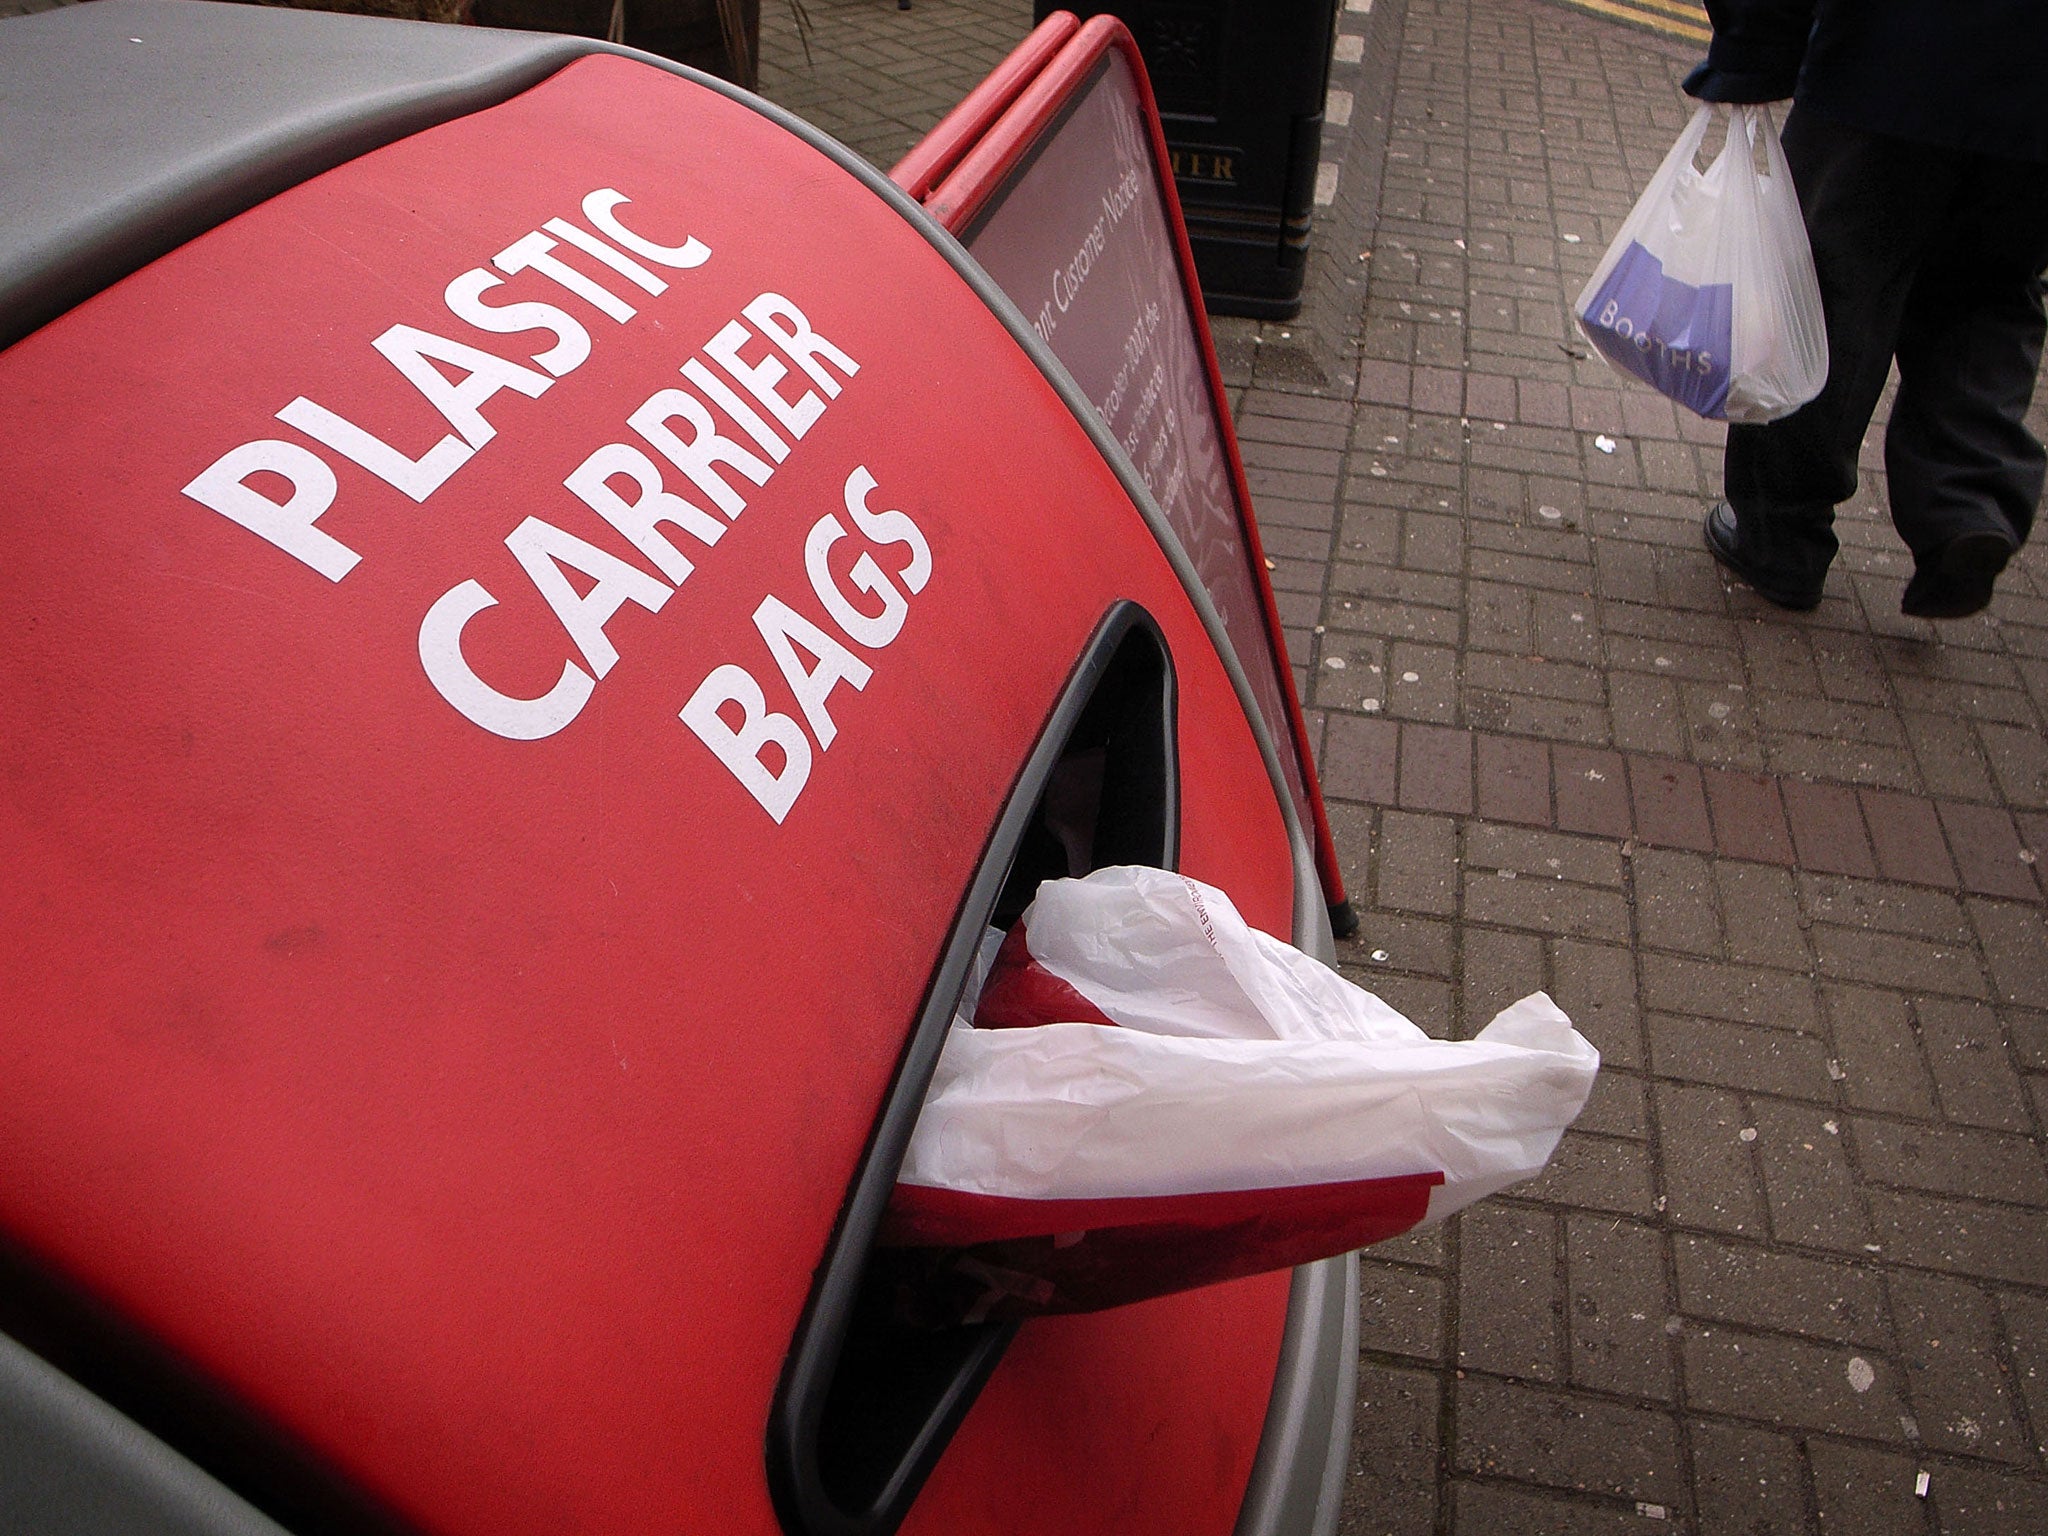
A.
pixel 129 126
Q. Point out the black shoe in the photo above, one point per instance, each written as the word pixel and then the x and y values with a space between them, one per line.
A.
pixel 1719 528
pixel 1954 581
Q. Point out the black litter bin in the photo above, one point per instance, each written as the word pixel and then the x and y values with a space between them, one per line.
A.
pixel 1240 86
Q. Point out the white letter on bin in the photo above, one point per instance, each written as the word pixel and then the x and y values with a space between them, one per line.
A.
pixel 543 549
pixel 640 520
pixel 498 713
pixel 572 343
pixel 598 209
pixel 785 629
pixel 891 527
pixel 871 630
pixel 798 342
pixel 224 487
pixel 740 750
pixel 413 352
pixel 418 478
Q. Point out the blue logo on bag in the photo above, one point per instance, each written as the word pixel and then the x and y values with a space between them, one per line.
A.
pixel 1671 335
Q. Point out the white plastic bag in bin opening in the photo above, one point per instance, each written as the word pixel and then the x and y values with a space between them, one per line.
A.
pixel 1708 293
pixel 1154 1095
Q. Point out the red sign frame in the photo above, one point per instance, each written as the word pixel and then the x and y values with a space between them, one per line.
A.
pixel 963 170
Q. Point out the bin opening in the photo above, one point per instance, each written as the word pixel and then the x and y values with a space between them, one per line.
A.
pixel 869 1404
pixel 1111 797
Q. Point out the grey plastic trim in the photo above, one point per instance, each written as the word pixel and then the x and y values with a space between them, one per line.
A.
pixel 127 127
pixel 71 1466
pixel 1297 1481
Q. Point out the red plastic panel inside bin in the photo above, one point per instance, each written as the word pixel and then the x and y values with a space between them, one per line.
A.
pixel 422 1018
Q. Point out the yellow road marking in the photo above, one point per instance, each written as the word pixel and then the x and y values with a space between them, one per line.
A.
pixel 1691 13
pixel 1639 12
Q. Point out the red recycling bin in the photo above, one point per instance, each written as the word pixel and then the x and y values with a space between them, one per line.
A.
pixel 546 608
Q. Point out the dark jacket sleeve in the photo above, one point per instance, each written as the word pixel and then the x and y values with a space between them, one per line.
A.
pixel 1756 51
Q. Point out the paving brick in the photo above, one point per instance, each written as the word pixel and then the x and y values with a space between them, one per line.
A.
pixel 1506 1429
pixel 2015 945
pixel 1707 1176
pixel 1542 404
pixel 1433 544
pixel 1648 715
pixel 1791 1383
pixel 2029 1034
pixel 1946 752
pixel 1760 915
pixel 1383 384
pixel 1987 851
pixel 1391 1484
pixel 1740 1056
pixel 1438 390
pixel 1948 1344
pixel 2025 1320
pixel 1592 791
pixel 1501 618
pixel 1595 984
pixel 2019 758
pixel 1827 828
pixel 1417 864
pixel 1711 989
pixel 1749 818
pixel 1556 720
pixel 1991 1242
pixel 1741 1283
pixel 1879 1051
pixel 1491 1509
pixel 1422 682
pixel 1893 960
pixel 1397 620
pixel 1973 1073
pixel 1598 1173
pixel 1490 398
pixel 1615 1307
pixel 1862 1492
pixel 2033 827
pixel 1674 902
pixel 1809 1184
pixel 1549 906
pixel 1974 1501
pixel 1497 968
pixel 1436 769
pixel 1401 1310
pixel 1619 1105
pixel 1905 836
pixel 1748 1482
pixel 1849 724
pixel 1430 1003
pixel 1670 803
pixel 1952 1160
pixel 1510 1302
pixel 1424 1246
pixel 1420 944
pixel 1543 855
pixel 1885 908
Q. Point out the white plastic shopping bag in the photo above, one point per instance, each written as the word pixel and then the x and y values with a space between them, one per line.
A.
pixel 1708 293
pixel 1154 1095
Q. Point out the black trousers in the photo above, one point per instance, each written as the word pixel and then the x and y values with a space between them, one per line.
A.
pixel 1935 257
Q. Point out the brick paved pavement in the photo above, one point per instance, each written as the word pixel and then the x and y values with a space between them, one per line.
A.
pixel 1780 869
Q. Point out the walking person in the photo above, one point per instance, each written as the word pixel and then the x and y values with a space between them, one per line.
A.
pixel 1918 141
